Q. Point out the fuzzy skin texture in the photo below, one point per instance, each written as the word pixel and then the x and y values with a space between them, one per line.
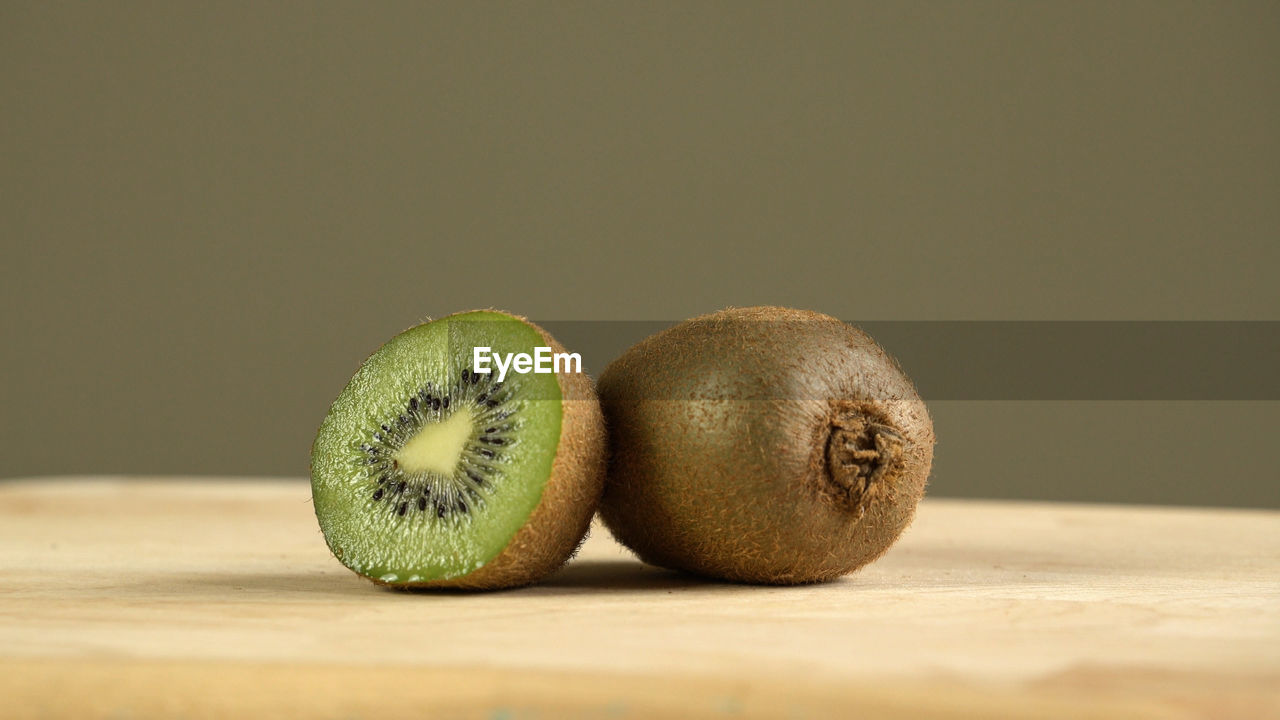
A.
pixel 724 430
pixel 559 524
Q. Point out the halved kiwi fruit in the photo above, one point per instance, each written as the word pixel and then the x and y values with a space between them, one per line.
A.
pixel 426 473
pixel 763 445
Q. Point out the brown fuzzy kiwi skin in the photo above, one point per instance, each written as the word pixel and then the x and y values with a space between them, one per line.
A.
pixel 558 525
pixel 728 447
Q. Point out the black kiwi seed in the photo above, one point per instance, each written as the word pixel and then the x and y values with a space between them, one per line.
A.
pixel 400 487
pixel 476 479
pixel 481 398
pixel 377 494
pixel 446 401
pixel 422 504
pixel 439 509
pixel 400 510
pixel 466 375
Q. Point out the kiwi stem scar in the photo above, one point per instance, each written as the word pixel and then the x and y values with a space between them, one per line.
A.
pixel 862 459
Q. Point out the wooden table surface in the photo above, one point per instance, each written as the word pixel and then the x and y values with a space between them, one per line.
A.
pixel 176 597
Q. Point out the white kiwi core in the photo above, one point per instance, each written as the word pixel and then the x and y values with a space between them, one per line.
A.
pixel 438 446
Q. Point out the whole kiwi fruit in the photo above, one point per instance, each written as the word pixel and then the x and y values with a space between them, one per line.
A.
pixel 762 445
pixel 427 473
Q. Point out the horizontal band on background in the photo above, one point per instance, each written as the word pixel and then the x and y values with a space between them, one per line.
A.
pixel 1041 360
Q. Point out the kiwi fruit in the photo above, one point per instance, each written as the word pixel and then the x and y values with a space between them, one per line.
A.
pixel 762 445
pixel 426 473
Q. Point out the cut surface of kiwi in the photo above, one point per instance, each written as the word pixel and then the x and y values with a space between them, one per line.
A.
pixel 425 472
pixel 764 445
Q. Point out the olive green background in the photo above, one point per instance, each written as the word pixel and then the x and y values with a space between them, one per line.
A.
pixel 212 212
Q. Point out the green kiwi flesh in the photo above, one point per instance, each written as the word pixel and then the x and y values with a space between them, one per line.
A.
pixel 762 445
pixel 425 473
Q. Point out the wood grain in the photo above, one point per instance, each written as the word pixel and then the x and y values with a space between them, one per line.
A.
pixel 174 597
